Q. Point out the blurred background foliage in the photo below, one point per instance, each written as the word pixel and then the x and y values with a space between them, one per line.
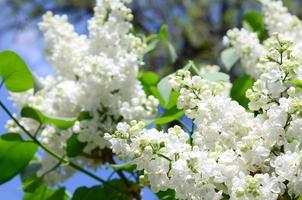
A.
pixel 196 27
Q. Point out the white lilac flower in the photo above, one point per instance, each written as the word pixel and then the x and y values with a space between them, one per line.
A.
pixel 96 73
pixel 278 19
pixel 232 151
pixel 248 47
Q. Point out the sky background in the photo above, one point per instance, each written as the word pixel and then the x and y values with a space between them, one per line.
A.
pixel 27 41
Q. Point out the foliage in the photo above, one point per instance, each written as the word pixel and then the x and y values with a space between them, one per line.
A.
pixel 102 192
pixel 15 154
pixel 229 58
pixel 62 123
pixel 239 88
pixel 14 72
pixel 253 21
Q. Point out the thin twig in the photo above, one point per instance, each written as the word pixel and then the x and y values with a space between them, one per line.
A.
pixel 37 131
pixel 184 125
pixel 136 195
pixel 55 155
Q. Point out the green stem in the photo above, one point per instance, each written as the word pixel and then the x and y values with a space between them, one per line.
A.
pixel 184 125
pixel 136 195
pixel 1 84
pixel 54 167
pixel 37 131
pixel 192 128
pixel 288 121
pixel 110 176
pixel 192 131
pixel 50 152
pixel 163 156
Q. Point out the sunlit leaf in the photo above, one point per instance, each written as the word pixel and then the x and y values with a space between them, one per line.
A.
pixel 62 123
pixel 297 83
pixel 155 92
pixel 229 57
pixel 149 78
pixel 165 89
pixel 14 72
pixel 125 167
pixel 173 100
pixel 216 76
pixel 15 154
pixel 169 116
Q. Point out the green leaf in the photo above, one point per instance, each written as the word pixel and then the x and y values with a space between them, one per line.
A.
pixel 31 169
pixel 43 193
pixel 240 86
pixel 14 72
pixel 297 83
pixel 172 52
pixel 291 139
pixel 163 33
pixel 151 46
pixel 15 155
pixel 149 78
pixel 37 85
pixel 253 21
pixel 125 167
pixel 173 100
pixel 165 90
pixel 62 123
pixel 35 189
pixel 32 183
pixel 59 195
pixel 164 93
pixel 74 146
pixel 167 119
pixel 155 92
pixel 216 76
pixel 149 81
pixel 229 57
pixel 102 192
pixel 166 195
pixel 225 196
pixel 84 116
pixel 192 67
pixel 93 193
pixel 169 116
pixel 165 38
